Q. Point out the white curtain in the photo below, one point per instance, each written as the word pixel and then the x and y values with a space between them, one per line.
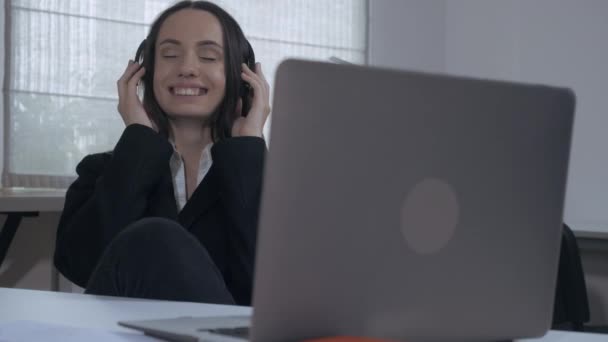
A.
pixel 64 57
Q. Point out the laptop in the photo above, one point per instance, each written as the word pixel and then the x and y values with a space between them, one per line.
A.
pixel 406 206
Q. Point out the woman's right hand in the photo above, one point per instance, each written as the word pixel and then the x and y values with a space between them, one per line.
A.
pixel 129 106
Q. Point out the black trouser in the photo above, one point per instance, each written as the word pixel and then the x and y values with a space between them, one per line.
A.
pixel 156 258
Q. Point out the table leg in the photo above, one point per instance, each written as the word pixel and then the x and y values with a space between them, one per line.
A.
pixel 8 231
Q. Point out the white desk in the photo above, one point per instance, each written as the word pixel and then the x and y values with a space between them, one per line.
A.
pixel 90 311
pixel 598 233
pixel 22 200
pixel 99 312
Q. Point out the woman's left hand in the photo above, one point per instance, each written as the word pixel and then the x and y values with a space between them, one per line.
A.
pixel 253 123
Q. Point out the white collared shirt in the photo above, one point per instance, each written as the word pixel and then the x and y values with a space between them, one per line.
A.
pixel 179 173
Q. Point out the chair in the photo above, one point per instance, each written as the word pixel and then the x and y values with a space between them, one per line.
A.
pixel 571 309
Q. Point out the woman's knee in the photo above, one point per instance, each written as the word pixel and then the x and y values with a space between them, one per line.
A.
pixel 151 237
pixel 153 230
pixel 158 258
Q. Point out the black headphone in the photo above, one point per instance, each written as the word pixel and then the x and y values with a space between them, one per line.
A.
pixel 249 59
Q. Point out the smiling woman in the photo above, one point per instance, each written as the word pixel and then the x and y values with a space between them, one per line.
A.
pixel 192 42
pixel 171 212
pixel 64 57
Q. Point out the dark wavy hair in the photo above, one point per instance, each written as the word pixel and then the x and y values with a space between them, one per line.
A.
pixel 237 50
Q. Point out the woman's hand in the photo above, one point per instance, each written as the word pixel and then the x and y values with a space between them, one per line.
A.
pixel 129 106
pixel 253 123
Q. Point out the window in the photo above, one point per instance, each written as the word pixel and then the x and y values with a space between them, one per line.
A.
pixel 64 58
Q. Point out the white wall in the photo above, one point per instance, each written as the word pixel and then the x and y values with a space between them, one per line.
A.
pixel 560 42
pixel 481 38
pixel 557 42
pixel 407 34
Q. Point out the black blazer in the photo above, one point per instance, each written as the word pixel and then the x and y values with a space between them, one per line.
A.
pixel 134 181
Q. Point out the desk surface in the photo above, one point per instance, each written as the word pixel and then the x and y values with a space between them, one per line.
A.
pixel 22 199
pixel 100 312
pixel 597 233
pixel 90 311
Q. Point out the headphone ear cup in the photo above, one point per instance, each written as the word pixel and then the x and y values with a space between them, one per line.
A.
pixel 139 58
pixel 250 58
pixel 139 54
pixel 246 91
pixel 144 81
pixel 245 87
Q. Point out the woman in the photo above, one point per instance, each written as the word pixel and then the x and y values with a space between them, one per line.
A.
pixel 171 212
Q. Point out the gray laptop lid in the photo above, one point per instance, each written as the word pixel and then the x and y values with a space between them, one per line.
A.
pixel 408 205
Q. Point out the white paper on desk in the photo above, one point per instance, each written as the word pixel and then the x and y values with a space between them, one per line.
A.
pixel 31 331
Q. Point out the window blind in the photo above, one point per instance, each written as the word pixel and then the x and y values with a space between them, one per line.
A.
pixel 64 57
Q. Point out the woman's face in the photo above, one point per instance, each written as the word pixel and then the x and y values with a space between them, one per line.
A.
pixel 189 78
